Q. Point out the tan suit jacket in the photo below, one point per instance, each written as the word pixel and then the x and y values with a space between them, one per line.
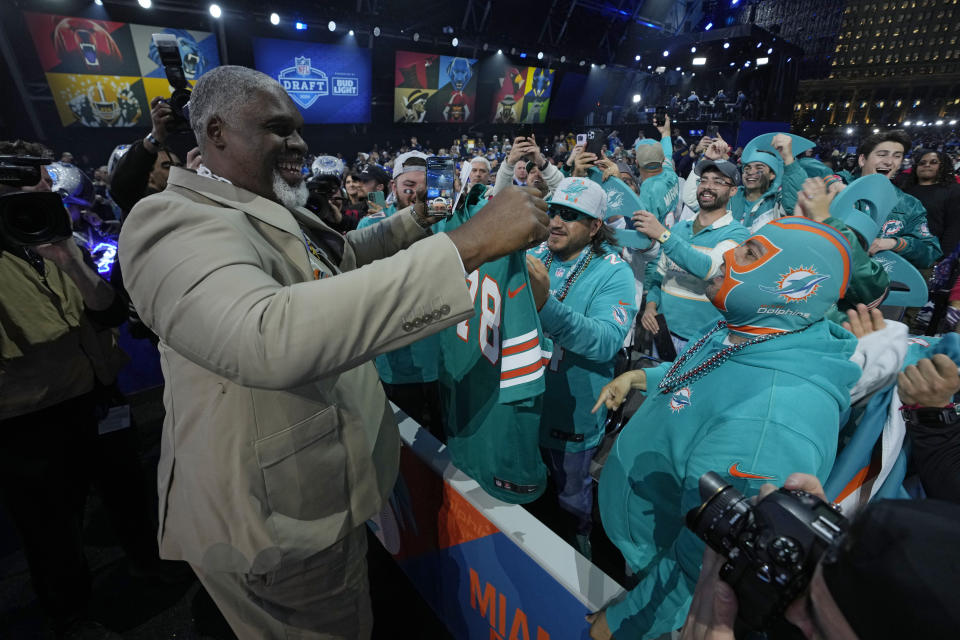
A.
pixel 278 439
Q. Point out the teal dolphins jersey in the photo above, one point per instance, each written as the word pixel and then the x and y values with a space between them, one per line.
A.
pixel 416 362
pixel 492 379
pixel 587 330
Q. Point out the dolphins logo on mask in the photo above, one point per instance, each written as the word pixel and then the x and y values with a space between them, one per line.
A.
pixel 797 285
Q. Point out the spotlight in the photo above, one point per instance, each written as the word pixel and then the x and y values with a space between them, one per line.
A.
pixel 708 27
pixel 499 52
pixel 699 62
pixel 666 53
pixel 952 122
pixel 513 51
pixel 733 64
pixel 146 4
pixel 592 65
pixel 485 46
pixel 637 57
pixel 350 33
pixel 376 32
pixel 746 64
pixel 636 98
pixel 939 123
pixel 875 130
pixel 583 62
pixel 761 61
pixel 789 59
pixel 274 19
pixel 563 58
pixel 649 66
pixel 849 131
pixel 215 11
pixel 603 66
pixel 907 123
pixel 769 51
pixel 523 54
pixel 99 3
pixel 332 26
pixel 539 55
pixel 416 37
pixel 455 42
pixel 726 45
pixel 693 49
pixel 678 68
pixel 759 44
pixel 300 26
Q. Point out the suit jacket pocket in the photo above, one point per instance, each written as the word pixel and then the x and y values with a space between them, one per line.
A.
pixel 304 468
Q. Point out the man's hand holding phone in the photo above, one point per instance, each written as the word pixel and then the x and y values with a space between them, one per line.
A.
pixel 582 164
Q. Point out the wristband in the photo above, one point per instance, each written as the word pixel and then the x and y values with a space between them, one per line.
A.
pixel 946 415
pixel 152 139
pixel 664 236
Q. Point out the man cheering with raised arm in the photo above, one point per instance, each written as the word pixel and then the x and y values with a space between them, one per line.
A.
pixel 278 443
pixel 757 395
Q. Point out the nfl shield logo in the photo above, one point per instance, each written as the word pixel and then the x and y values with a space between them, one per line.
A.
pixel 303 65
pixel 303 83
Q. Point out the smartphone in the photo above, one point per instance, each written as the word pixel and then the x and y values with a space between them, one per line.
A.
pixel 582 139
pixel 665 348
pixel 525 131
pixel 440 174
pixel 596 142
pixel 376 197
pixel 471 143
pixel 660 117
pixel 713 131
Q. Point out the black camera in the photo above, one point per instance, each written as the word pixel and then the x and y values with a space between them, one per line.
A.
pixel 772 547
pixel 29 218
pixel 168 49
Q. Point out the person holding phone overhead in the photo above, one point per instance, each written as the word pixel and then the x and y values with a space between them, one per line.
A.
pixel 524 150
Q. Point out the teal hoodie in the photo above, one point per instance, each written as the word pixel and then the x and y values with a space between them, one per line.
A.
pixel 783 191
pixel 907 224
pixel 416 362
pixel 769 410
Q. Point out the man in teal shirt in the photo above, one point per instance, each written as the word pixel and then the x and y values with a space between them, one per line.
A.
pixel 584 293
pixel 756 397
pixel 691 252
pixel 409 374
pixel 770 183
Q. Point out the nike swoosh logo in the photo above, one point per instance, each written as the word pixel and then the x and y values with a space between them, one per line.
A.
pixel 624 304
pixel 734 470
pixel 517 290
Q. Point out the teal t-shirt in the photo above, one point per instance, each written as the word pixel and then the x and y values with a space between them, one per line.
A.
pixel 587 330
pixel 416 362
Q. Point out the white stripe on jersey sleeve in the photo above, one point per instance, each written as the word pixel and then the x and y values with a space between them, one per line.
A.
pixel 530 377
pixel 519 339
pixel 522 359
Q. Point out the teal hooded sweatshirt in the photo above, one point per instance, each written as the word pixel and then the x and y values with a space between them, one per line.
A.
pixel 769 410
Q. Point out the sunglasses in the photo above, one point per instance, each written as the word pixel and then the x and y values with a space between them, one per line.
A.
pixel 566 213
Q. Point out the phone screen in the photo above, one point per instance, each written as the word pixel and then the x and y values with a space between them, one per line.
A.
pixel 712 131
pixel 582 138
pixel 440 174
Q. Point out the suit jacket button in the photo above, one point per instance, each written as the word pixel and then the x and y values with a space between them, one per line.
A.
pixel 418 322
pixel 428 318
pixel 406 326
pixel 437 315
pixel 445 309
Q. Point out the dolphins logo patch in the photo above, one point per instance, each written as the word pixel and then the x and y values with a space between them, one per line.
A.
pixel 798 285
pixel 680 399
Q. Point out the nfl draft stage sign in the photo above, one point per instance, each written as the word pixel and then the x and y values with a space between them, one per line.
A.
pixel 490 570
pixel 104 74
pixel 429 87
pixel 329 83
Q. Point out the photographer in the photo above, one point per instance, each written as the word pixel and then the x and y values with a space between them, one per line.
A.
pixel 893 576
pixel 144 168
pixel 56 354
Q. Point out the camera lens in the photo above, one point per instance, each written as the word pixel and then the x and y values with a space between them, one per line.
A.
pixel 723 514
pixel 25 222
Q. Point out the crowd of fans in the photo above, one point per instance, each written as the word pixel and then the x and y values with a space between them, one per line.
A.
pixel 660 277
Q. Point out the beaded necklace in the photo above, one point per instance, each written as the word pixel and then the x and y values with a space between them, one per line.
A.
pixel 671 381
pixel 586 255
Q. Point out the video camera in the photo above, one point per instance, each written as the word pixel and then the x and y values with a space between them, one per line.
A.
pixel 772 547
pixel 29 218
pixel 168 50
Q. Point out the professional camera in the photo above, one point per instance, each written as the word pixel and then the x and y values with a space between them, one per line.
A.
pixel 168 50
pixel 772 547
pixel 29 218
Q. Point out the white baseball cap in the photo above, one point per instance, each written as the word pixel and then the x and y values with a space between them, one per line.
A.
pixel 403 158
pixel 581 194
